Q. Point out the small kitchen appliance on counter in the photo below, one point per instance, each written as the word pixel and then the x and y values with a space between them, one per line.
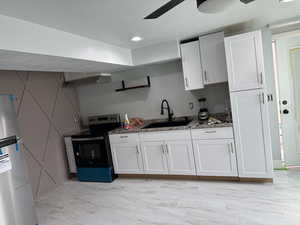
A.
pixel 203 111
pixel 92 150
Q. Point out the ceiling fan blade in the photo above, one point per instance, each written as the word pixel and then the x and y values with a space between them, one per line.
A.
pixel 199 2
pixel 165 8
pixel 247 1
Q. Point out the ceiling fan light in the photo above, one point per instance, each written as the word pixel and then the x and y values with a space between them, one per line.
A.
pixel 213 6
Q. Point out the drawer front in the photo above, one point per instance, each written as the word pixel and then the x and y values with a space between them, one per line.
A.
pixel 213 133
pixel 165 135
pixel 124 138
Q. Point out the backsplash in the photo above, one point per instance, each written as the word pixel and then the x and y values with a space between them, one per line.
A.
pixel 166 83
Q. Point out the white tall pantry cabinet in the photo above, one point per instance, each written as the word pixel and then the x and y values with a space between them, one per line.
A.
pixel 250 111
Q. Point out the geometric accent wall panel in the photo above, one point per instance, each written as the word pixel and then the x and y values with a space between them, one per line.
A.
pixel 46 111
pixel 33 123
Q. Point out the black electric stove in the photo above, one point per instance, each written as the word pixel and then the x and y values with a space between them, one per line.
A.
pixel 92 149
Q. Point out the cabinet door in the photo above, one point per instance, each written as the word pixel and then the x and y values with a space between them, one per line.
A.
pixel 180 157
pixel 213 58
pixel 154 154
pixel 127 158
pixel 215 157
pixel 191 65
pixel 252 135
pixel 244 55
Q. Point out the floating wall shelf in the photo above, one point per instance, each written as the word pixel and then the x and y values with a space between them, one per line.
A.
pixel 124 88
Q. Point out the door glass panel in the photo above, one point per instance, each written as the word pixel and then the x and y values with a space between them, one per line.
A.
pixel 91 154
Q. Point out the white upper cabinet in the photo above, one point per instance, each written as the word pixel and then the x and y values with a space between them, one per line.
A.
pixel 191 64
pixel 213 58
pixel 244 56
pixel 252 136
pixel 215 157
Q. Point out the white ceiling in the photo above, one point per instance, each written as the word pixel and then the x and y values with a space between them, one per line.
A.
pixel 116 21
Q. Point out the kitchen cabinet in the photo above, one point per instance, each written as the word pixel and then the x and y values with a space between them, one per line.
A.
pixel 213 58
pixel 245 63
pixel 127 158
pixel 168 152
pixel 191 65
pixel 170 157
pixel 154 154
pixel 180 157
pixel 252 134
pixel 215 157
pixel 126 154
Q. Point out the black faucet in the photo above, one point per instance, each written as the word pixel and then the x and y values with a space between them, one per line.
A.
pixel 170 114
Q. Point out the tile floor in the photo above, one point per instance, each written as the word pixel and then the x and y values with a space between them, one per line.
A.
pixel 161 202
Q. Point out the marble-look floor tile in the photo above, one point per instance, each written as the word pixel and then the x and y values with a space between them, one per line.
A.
pixel 162 202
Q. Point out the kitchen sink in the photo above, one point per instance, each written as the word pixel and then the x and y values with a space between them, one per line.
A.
pixel 167 124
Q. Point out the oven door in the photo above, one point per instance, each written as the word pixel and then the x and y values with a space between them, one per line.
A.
pixel 90 152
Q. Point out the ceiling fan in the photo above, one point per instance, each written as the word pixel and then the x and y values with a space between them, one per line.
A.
pixel 210 6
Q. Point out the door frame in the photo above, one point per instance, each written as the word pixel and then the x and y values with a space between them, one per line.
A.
pixel 279 64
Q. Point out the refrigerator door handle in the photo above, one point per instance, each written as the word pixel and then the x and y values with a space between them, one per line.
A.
pixel 8 141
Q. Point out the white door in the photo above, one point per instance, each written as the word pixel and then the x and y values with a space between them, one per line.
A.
pixel 244 56
pixel 191 65
pixel 213 58
pixel 154 154
pixel 180 157
pixel 288 58
pixel 252 135
pixel 127 158
pixel 215 157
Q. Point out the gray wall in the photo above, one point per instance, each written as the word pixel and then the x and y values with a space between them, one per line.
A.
pixel 45 111
pixel 166 82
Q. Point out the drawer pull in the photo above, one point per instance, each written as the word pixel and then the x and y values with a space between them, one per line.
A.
pixel 123 136
pixel 210 132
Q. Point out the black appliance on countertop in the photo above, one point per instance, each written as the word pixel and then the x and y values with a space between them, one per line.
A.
pixel 203 111
pixel 92 150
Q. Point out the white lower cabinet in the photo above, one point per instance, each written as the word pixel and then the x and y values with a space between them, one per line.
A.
pixel 180 157
pixel 215 157
pixel 168 157
pixel 127 158
pixel 154 154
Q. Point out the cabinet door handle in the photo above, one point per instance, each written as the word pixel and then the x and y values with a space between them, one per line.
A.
pixel 186 82
pixel 167 149
pixel 163 149
pixel 210 132
pixel 231 147
pixel 137 150
pixel 205 75
pixel 261 78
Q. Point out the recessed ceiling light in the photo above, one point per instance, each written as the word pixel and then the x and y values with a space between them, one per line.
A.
pixel 136 39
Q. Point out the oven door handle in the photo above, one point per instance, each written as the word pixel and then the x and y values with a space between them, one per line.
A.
pixel 88 139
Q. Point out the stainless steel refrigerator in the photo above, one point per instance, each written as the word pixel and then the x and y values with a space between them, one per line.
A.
pixel 16 201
